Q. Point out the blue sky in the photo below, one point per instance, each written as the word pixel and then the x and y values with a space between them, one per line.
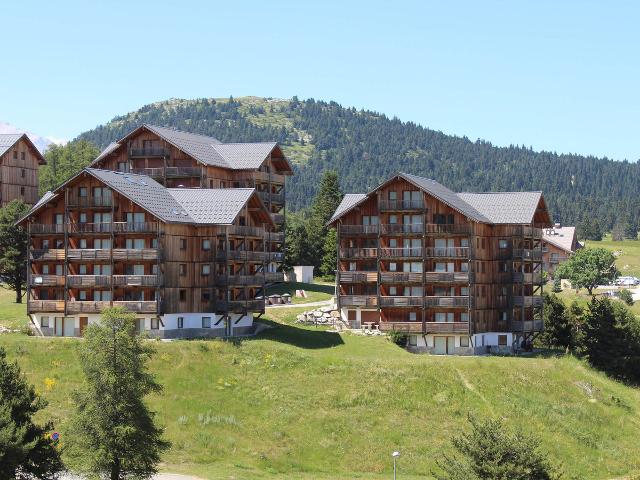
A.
pixel 561 76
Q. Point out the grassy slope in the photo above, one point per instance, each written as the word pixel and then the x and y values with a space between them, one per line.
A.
pixel 306 403
pixel 12 315
pixel 316 292
pixel 628 261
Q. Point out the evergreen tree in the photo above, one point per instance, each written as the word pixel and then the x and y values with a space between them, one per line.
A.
pixel 558 330
pixel 557 285
pixel 112 431
pixel 329 259
pixel 26 450
pixel 631 229
pixel 14 243
pixel 617 232
pixel 64 161
pixel 328 198
pixel 489 451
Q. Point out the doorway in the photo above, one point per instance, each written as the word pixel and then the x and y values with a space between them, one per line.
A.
pixel 444 345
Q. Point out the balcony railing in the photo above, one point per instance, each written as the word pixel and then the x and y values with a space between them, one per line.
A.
pixel 275 237
pixel 261 176
pixel 242 255
pixel 43 228
pixel 119 254
pixel 406 327
pixel 358 252
pixel 527 301
pixel 97 307
pixel 245 231
pixel 52 306
pixel 557 258
pixel 46 254
pixel 401 301
pixel 527 254
pixel 400 277
pixel 447 277
pixel 273 277
pixel 278 218
pixel 36 280
pixel 358 301
pixel 271 197
pixel 348 230
pixel 451 228
pixel 400 205
pixel 83 228
pixel 359 277
pixel 446 327
pixel 447 252
pixel 523 231
pixel 137 280
pixel 148 152
pixel 445 301
pixel 256 279
pixel 519 277
pixel 402 229
pixel 90 202
pixel 401 252
pixel 526 326
pixel 240 306
pixel 82 281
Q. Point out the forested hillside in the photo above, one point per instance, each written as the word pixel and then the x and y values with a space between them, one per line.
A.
pixel 366 147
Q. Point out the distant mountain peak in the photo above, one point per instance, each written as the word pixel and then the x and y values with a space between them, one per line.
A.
pixel 42 143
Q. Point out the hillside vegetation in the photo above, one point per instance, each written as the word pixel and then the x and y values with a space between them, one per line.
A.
pixel 366 147
pixel 307 403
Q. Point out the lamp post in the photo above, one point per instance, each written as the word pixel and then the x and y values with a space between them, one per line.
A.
pixel 395 455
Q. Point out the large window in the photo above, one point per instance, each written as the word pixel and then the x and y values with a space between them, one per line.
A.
pixel 44 322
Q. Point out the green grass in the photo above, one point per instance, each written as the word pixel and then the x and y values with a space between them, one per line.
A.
pixel 628 261
pixel 316 292
pixel 302 402
pixel 12 315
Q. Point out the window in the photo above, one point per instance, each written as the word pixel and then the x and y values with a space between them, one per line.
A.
pixel 393 195
pixel 206 322
pixel 82 269
pixel 393 243
pixel 155 323
pixel 413 316
pixel 123 167
pixel 182 269
pixel 205 296
pixel 82 295
pixel 59 270
pixel 413 340
pixel 393 267
pixel 44 322
pixel 22 190
pixel 183 295
pixel 393 219
pixel 180 322
pixel 502 267
pixel 83 243
pixel 183 244
pixel 503 316
pixel 22 156
pixel 353 266
pixel 206 269
pixel 464 341
pixel 242 221
pixel 15 154
pixel 23 173
pixel 206 244
pixel 464 291
pixel 503 243
pixel 464 316
pixel 464 242
pixel 464 267
pixel 502 340
pixel 393 291
pixel 45 243
pixel 83 218
pixel 135 243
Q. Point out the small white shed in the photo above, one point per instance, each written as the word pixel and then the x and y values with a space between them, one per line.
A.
pixel 300 273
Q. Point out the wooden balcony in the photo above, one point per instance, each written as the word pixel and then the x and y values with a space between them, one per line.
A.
pixel 358 277
pixel 50 306
pixel 277 237
pixel 148 152
pixel 46 229
pixel 554 258
pixel 137 280
pixel 401 301
pixel 447 277
pixel 240 306
pixel 274 277
pixel 270 197
pixel 519 277
pixel 85 254
pixel 93 228
pixel 90 202
pixel 357 230
pixel 426 328
pixel 523 231
pixel 278 218
pixel 358 301
pixel 447 252
pixel 255 175
pixel 169 172
pixel 242 255
pixel 240 280
pixel 401 229
pixel 405 327
pixel 400 277
pixel 401 252
pixel 526 326
pixel 57 306
pixel 527 254
pixel 400 205
pixel 245 231
pixel 358 253
pixel 527 301
pixel 37 280
pixel 447 229
pixel 87 281
pixel 447 302
pixel 46 254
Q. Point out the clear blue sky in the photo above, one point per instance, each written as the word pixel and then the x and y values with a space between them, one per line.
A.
pixel 562 76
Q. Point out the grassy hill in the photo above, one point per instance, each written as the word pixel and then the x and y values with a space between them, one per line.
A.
pixel 307 403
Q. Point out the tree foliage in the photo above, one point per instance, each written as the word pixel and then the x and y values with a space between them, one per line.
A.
pixel 490 451
pixel 64 161
pixel 113 432
pixel 588 268
pixel 559 331
pixel 26 450
pixel 14 243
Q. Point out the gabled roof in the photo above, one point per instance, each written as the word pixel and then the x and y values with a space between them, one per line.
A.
pixel 505 207
pixel 212 206
pixel 8 140
pixel 207 150
pixel 492 208
pixel 561 237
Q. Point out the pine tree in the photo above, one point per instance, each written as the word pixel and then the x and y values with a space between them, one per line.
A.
pixel 113 432
pixel 14 243
pixel 558 330
pixel 25 448
pixel 329 259
pixel 617 232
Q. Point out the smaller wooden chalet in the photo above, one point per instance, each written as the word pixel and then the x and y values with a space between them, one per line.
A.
pixel 189 262
pixel 558 243
pixel 20 160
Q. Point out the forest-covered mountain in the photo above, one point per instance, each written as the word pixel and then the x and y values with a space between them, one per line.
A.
pixel 366 147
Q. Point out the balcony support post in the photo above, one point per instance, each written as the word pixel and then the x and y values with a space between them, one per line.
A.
pixel 67 222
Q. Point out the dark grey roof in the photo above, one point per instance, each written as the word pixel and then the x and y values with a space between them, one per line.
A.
pixel 504 207
pixel 110 148
pixel 447 196
pixel 146 192
pixel 349 201
pixel 244 155
pixel 199 147
pixel 212 206
pixel 8 140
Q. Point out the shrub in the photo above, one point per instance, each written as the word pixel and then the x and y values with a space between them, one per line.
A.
pixel 398 338
pixel 626 296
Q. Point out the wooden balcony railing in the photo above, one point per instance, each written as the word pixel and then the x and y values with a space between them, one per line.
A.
pixel 242 255
pixel 257 279
pixel 446 301
pixel 43 228
pixel 519 277
pixel 401 301
pixel 359 277
pixel 52 306
pixel 137 280
pixel 81 281
pixel 261 177
pixel 406 327
pixel 358 301
pixel 451 229
pixel 402 229
pixel 349 230
pixel 273 277
pixel 523 231
pixel 447 277
pixel 400 277
pixel 526 326
pixel 447 252
pixel 358 252
pixel 275 237
pixel 271 197
pixel 55 306
pixel 401 252
pixel 83 254
pixel 83 228
pixel 157 172
pixel 46 254
pixel 446 327
pixel 400 205
pixel 245 231
pixel 90 202
pixel 278 218
pixel 240 306
pixel 527 254
pixel 36 280
pixel 148 152
pixel 527 301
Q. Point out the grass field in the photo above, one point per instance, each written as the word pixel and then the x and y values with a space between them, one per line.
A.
pixel 628 261
pixel 316 291
pixel 306 403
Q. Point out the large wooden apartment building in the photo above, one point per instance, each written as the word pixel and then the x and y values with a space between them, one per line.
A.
pixel 187 261
pixel 19 163
pixel 460 273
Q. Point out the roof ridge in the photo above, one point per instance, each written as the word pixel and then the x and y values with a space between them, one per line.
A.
pixel 182 131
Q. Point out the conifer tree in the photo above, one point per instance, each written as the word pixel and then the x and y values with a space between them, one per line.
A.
pixel 329 259
pixel 14 243
pixel 26 449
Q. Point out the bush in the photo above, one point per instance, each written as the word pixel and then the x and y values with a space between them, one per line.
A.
pixel 398 338
pixel 626 296
pixel 557 285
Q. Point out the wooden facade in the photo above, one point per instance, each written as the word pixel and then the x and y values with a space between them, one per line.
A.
pixel 408 261
pixel 19 167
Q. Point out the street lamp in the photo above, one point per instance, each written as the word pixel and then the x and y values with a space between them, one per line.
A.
pixel 395 455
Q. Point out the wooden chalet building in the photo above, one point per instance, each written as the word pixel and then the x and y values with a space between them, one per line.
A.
pixel 558 243
pixel 19 163
pixel 460 273
pixel 187 261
